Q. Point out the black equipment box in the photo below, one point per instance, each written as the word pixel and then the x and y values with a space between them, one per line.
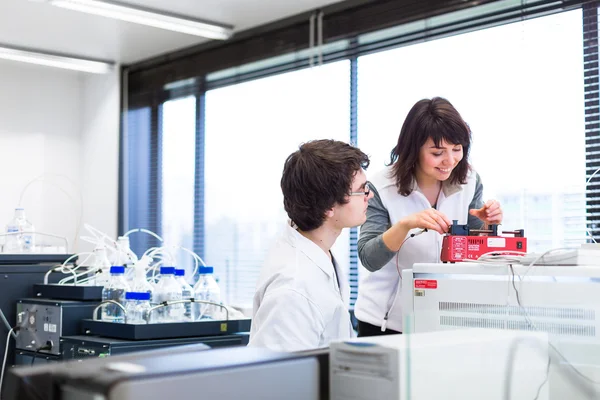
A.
pixel 16 282
pixel 164 330
pixel 34 259
pixel 84 347
pixel 78 347
pixel 44 321
pixel 23 357
pixel 67 292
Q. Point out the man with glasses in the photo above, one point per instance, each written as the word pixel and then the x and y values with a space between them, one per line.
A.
pixel 302 296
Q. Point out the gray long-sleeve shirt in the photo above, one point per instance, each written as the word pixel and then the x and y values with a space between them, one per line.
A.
pixel 373 253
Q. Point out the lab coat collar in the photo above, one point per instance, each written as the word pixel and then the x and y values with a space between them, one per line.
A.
pixel 448 188
pixel 309 248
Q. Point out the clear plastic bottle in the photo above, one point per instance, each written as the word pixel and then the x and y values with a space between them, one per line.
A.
pixel 207 289
pixel 22 234
pixel 139 281
pixel 120 255
pixel 115 290
pixel 137 305
pixel 12 241
pixel 167 289
pixel 124 256
pixel 187 292
pixel 100 267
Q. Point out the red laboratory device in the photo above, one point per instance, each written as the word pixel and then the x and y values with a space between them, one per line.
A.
pixel 462 243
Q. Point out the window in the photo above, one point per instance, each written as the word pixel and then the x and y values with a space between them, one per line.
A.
pixel 178 161
pixel 520 88
pixel 251 128
pixel 139 154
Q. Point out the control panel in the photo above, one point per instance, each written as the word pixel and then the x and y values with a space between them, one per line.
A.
pixel 40 327
pixel 43 322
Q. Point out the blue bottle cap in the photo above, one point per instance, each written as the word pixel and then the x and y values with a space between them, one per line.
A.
pixel 115 269
pixel 180 272
pixel 205 270
pixel 167 270
pixel 131 295
pixel 144 296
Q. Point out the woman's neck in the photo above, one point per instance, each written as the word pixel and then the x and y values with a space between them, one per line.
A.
pixel 430 187
pixel 426 182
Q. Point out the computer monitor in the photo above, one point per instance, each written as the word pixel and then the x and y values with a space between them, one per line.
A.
pixel 183 372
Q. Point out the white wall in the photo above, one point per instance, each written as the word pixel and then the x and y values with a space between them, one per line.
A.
pixel 40 119
pixel 100 152
pixel 57 122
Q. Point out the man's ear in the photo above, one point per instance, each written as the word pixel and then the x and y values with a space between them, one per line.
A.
pixel 330 213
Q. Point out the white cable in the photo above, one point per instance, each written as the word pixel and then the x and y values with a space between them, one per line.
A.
pixel 76 255
pixel 19 233
pixel 502 253
pixel 86 280
pixel 101 234
pixel 511 361
pixel 164 252
pixel 150 250
pixel 83 263
pixel 86 272
pixel 78 217
pixel 92 240
pixel 197 258
pixel 155 250
pixel 155 268
pixel 3 317
pixel 532 324
pixel 149 232
pixel 86 226
pixel 524 310
pixel 5 357
pixel 76 268
pixel 70 278
pixel 538 258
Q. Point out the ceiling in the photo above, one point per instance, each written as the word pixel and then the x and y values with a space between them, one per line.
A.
pixel 34 24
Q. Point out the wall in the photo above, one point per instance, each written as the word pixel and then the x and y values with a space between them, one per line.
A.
pixel 63 126
pixel 100 152
pixel 40 119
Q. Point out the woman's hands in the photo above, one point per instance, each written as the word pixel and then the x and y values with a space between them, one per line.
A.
pixel 490 213
pixel 434 220
pixel 430 219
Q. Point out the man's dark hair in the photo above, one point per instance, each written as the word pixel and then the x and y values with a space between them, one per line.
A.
pixel 436 119
pixel 316 177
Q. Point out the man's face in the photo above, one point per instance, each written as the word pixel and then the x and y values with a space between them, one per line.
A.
pixel 353 213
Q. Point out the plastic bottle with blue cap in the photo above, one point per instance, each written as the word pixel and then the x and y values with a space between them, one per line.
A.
pixel 137 306
pixel 114 290
pixel 207 289
pixel 167 289
pixel 139 281
pixel 187 292
pixel 100 267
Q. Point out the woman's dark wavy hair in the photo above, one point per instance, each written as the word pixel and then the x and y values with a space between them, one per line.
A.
pixel 318 176
pixel 432 118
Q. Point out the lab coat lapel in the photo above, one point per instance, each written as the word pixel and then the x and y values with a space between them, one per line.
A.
pixel 311 250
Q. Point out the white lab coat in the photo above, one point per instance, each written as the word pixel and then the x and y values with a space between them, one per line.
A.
pixel 379 293
pixel 298 304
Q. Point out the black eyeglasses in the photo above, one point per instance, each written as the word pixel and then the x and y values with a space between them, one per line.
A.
pixel 365 192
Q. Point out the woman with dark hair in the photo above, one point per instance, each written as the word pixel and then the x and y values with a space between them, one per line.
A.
pixel 427 184
pixel 301 300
